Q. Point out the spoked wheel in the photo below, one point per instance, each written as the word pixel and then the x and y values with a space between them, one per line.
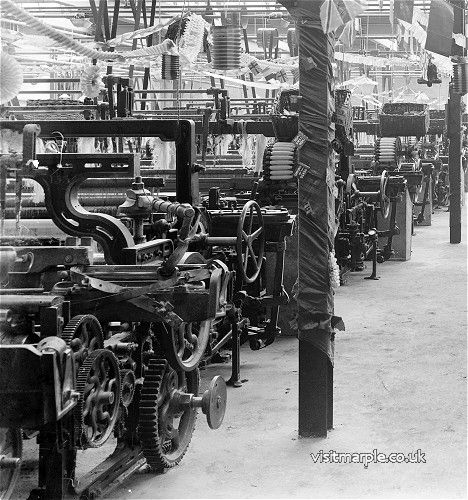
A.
pixel 245 240
pixel 83 334
pixel 99 385
pixel 383 197
pixel 165 430
pixel 11 449
pixel 185 345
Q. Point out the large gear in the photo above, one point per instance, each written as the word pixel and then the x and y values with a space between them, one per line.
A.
pixel 83 333
pixel 99 387
pixel 162 443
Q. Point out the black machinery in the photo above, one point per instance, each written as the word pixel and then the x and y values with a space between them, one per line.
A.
pixel 89 350
pixel 365 201
pixel 364 204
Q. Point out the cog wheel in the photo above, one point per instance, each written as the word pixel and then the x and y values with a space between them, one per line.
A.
pixel 83 334
pixel 11 450
pixel 164 433
pixel 97 410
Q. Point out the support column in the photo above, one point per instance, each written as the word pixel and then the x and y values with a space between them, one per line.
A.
pixel 316 221
pixel 454 133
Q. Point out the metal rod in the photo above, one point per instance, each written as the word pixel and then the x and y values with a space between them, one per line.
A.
pixel 50 80
pixel 235 381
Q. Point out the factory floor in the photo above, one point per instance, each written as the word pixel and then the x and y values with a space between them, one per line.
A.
pixel 400 386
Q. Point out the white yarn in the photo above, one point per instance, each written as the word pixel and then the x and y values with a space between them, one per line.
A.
pixel 334 270
pixel 260 146
pixel 11 78
pixel 191 41
pixel 245 146
pixel 85 145
pixel 91 81
pixel 166 47
pixel 34 23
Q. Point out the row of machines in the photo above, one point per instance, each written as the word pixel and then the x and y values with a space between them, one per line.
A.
pixel 120 291
pixel 409 152
pixel 366 201
pixel 420 162
pixel 107 316
pixel 411 140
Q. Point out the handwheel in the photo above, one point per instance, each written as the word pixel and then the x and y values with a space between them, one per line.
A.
pixel 245 239
pixel 383 198
pixel 185 345
pixel 10 460
pixel 214 402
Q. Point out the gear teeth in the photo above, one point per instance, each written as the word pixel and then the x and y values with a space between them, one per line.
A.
pixel 81 382
pixel 148 430
pixel 70 330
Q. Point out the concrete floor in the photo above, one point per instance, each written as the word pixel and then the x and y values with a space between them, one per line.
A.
pixel 400 386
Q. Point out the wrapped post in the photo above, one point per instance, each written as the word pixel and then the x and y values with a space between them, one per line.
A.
pixel 316 214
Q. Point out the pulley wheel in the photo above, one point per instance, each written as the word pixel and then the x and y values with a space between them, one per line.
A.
pixel 185 345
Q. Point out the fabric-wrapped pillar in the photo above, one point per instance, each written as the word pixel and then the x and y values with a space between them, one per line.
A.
pixel 455 135
pixel 316 217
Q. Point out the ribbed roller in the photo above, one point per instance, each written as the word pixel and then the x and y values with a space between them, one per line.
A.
pixel 226 49
pixel 412 142
pixel 280 161
pixel 407 167
pixel 170 67
pixel 460 76
pixel 388 151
